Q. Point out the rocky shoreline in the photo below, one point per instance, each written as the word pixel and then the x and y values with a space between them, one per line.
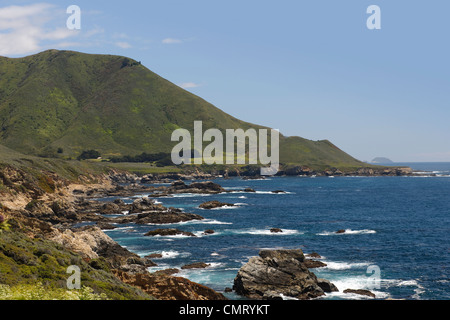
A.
pixel 54 216
pixel 249 172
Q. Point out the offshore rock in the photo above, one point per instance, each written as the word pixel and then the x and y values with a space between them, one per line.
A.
pixel 278 273
pixel 215 204
pixel 168 232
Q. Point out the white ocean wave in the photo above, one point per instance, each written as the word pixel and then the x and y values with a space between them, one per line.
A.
pixel 118 229
pixel 336 265
pixel 263 192
pixel 211 221
pixel 203 221
pixel 176 236
pixel 166 254
pixel 211 266
pixel 189 195
pixel 225 207
pixel 160 266
pixel 347 231
pixel 267 232
pixel 201 234
pixel 355 282
pixel 408 283
pixel 271 192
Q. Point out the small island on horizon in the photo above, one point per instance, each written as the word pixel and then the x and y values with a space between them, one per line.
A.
pixel 382 160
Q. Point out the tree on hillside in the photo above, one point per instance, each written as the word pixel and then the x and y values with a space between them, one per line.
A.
pixel 89 154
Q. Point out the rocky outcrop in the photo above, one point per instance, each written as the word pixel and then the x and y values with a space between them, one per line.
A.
pixel 141 211
pixel 179 186
pixel 362 292
pixel 215 204
pixel 144 204
pixel 363 171
pixel 196 265
pixel 168 232
pixel 110 208
pixel 92 243
pixel 162 217
pixel 166 287
pixel 310 264
pixel 277 273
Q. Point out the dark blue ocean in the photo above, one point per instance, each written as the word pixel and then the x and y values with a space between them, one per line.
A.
pixel 396 244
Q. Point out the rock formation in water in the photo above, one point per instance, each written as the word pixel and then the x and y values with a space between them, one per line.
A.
pixel 277 273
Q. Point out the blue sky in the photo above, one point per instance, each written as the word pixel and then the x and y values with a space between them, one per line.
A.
pixel 308 68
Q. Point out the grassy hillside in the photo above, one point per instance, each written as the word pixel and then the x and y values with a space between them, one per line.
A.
pixel 37 269
pixel 73 102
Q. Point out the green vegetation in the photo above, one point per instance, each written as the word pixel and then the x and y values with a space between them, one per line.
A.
pixel 4 225
pixel 37 269
pixel 58 104
pixel 40 292
pixel 89 154
pixel 143 157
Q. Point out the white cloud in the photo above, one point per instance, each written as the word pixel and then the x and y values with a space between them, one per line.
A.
pixel 172 41
pixel 188 85
pixel 23 28
pixel 120 35
pixel 123 45
pixel 94 32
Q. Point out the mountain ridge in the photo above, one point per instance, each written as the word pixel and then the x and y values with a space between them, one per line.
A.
pixel 75 101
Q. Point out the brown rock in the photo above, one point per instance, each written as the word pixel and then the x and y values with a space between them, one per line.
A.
pixel 340 231
pixel 168 232
pixel 276 230
pixel 214 204
pixel 105 225
pixel 314 264
pixel 277 272
pixel 360 292
pixel 166 216
pixel 314 255
pixel 168 271
pixel 196 265
pixel 326 285
pixel 154 256
pixel 164 287
pixel 110 208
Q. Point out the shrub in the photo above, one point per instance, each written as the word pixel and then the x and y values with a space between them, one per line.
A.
pixel 89 154
pixel 39 292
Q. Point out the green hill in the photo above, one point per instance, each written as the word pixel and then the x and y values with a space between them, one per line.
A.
pixel 73 102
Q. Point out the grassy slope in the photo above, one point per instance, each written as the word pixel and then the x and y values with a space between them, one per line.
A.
pixel 26 261
pixel 75 101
